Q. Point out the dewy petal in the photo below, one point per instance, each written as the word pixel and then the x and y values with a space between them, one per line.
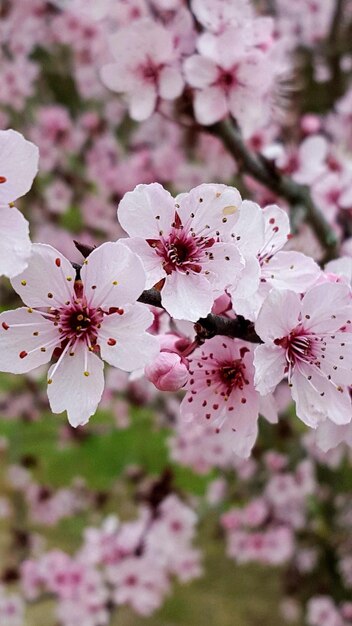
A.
pixel 211 209
pixel 210 105
pixel 146 211
pixel 187 297
pixel 291 270
pixel 269 363
pixel 27 340
pixel 123 340
pixel 18 164
pixel 151 261
pixel 327 307
pixel 48 281
pixel 279 315
pixel 77 385
pixel 15 245
pixel 112 276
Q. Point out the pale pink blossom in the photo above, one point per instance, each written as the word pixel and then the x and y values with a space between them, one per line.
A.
pixel 260 235
pixel 145 67
pixel 221 389
pixel 322 611
pixel 73 320
pixel 232 75
pixel 308 340
pixel 181 242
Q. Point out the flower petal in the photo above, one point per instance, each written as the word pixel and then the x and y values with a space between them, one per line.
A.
pixel 187 297
pixel 18 165
pixel 77 385
pixel 146 211
pixel 48 280
pixel 279 315
pixel 15 243
pixel 24 335
pixel 112 276
pixel 123 340
pixel 269 363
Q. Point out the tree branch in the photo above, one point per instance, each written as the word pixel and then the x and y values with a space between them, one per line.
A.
pixel 261 170
pixel 207 327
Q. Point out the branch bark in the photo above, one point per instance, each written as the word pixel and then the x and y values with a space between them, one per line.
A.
pixel 262 171
pixel 207 327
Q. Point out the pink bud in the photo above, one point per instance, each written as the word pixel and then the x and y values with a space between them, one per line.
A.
pixel 168 372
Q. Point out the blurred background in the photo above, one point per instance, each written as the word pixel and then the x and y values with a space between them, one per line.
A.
pixel 292 541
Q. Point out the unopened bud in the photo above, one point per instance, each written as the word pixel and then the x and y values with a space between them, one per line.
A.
pixel 168 372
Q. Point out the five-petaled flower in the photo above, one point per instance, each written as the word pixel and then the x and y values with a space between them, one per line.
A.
pixel 221 390
pixel 145 67
pixel 310 341
pixel 181 243
pixel 74 322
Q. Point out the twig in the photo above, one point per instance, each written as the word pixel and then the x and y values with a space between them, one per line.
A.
pixel 212 325
pixel 262 171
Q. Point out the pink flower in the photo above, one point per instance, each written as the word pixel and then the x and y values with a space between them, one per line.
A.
pixel 18 167
pixel 180 242
pixel 217 15
pixel 221 389
pixel 322 611
pixel 232 75
pixel 307 341
pixel 76 320
pixel 145 67
pixel 260 234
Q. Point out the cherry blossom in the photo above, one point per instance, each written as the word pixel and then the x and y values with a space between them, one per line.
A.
pixel 18 167
pixel 308 340
pixel 74 320
pixel 260 235
pixel 221 389
pixel 232 75
pixel 145 67
pixel 180 243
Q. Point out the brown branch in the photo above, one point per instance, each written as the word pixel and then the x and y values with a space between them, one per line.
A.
pixel 334 54
pixel 207 327
pixel 262 171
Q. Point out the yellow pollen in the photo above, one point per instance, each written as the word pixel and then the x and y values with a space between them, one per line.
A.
pixel 229 210
pixel 29 310
pixel 115 282
pixel 24 283
pixel 86 373
pixel 69 278
pixel 50 381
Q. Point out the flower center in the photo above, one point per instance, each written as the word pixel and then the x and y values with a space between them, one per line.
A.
pixel 232 375
pixel 182 250
pixel 79 322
